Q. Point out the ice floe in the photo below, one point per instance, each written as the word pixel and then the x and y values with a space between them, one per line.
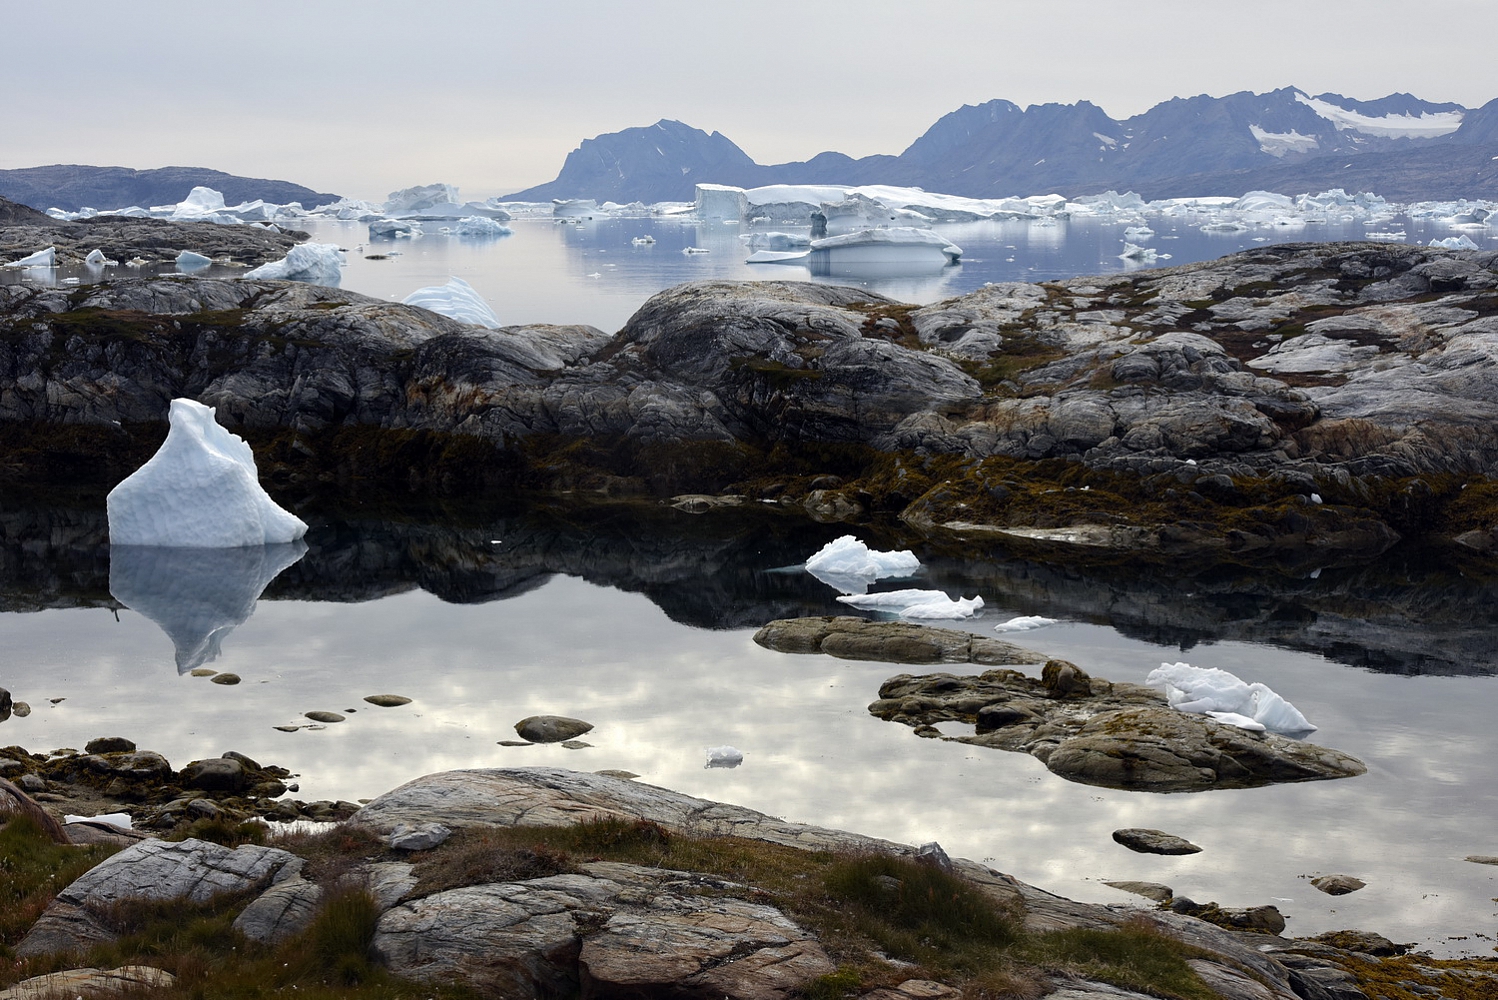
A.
pixel 200 490
pixel 121 820
pixel 393 228
pixel 849 564
pixel 915 603
pixel 42 258
pixel 313 263
pixel 187 260
pixel 480 225
pixel 1455 243
pixel 724 756
pixel 1024 623
pixel 1210 691
pixel 96 258
pixel 456 299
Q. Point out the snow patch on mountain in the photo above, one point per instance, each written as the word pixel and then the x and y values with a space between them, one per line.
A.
pixel 1427 125
pixel 1279 143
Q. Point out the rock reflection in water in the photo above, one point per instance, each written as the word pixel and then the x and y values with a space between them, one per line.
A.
pixel 197 596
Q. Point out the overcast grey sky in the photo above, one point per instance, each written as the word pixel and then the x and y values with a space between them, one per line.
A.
pixel 365 96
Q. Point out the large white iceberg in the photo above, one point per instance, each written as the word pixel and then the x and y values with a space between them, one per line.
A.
pixel 846 560
pixel 457 299
pixel 187 260
pixel 915 603
pixel 200 490
pixel 1455 243
pixel 1209 691
pixel 42 258
pixel 314 263
pixel 715 202
pixel 480 225
pixel 413 200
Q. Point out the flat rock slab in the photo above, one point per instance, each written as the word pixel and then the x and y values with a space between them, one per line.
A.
pixel 1149 890
pixel 553 796
pixel 610 930
pixel 1154 842
pixel 1101 733
pixel 889 642
pixel 190 870
pixel 133 979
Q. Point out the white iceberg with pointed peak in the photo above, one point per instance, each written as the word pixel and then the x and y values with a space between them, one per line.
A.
pixel 456 299
pixel 200 490
pixel 42 258
pixel 1226 698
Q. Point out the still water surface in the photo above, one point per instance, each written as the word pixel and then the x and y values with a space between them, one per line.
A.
pixel 642 625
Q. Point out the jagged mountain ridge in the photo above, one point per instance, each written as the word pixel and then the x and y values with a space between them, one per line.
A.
pixel 73 186
pixel 998 149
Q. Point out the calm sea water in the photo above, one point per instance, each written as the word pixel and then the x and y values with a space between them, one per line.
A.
pixel 641 623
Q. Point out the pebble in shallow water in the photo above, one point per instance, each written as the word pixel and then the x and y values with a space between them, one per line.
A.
pixel 324 716
pixel 387 700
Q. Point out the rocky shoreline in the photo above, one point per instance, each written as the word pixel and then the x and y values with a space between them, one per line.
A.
pixel 542 923
pixel 145 241
pixel 1301 404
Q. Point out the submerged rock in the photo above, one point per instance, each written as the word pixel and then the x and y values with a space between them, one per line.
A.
pixel 1338 885
pixel 551 728
pixel 1154 842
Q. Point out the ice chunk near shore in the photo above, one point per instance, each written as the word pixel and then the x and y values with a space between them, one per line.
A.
pixel 121 820
pixel 1133 252
pixel 1024 623
pixel 96 258
pixel 456 299
pixel 314 263
pixel 915 603
pixel 189 261
pixel 480 225
pixel 200 490
pixel 724 756
pixel 42 258
pixel 848 564
pixel 1207 690
pixel 1455 243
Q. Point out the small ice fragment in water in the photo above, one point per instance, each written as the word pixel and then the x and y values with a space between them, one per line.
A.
pixel 1023 622
pixel 724 756
pixel 916 603
pixel 189 261
pixel 121 820
pixel 1207 690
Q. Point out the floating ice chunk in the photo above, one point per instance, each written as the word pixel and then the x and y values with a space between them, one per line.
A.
pixel 42 258
pixel 777 256
pixel 314 263
pixel 393 228
pixel 456 299
pixel 776 241
pixel 200 201
pixel 480 225
pixel 1138 233
pixel 1452 243
pixel 915 603
pixel 571 208
pixel 200 490
pixel 643 241
pixel 1132 252
pixel 724 756
pixel 1241 721
pixel 692 250
pixel 1202 690
pixel 96 258
pixel 121 820
pixel 412 200
pixel 848 559
pixel 189 261
pixel 1024 623
pixel 720 201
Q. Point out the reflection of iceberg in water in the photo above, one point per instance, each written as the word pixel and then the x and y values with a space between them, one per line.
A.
pixel 197 595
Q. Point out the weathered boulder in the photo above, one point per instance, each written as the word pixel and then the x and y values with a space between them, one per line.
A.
pixel 215 774
pixel 72 983
pixel 888 642
pixel 1264 919
pixel 1338 885
pixel 551 728
pixel 281 911
pixel 1154 842
pixel 190 870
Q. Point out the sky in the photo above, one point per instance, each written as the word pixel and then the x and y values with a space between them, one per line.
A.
pixel 361 97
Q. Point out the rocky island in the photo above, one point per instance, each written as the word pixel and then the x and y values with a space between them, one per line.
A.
pixel 1296 402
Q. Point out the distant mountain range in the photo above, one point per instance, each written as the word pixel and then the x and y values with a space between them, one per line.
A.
pixel 1286 140
pixel 73 186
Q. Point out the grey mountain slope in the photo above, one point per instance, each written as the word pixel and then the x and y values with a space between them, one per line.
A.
pixel 72 186
pixel 997 149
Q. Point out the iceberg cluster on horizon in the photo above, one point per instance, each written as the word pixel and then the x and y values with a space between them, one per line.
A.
pixel 200 490
pixel 456 299
pixel 1226 698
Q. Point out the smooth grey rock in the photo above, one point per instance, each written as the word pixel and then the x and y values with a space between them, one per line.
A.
pixel 1338 885
pixel 933 855
pixel 1233 984
pixel 388 881
pixel 852 638
pixel 127 979
pixel 281 911
pixel 418 837
pixel 1149 890
pixel 1154 842
pixel 387 700
pixel 190 870
pixel 551 728
pixel 216 774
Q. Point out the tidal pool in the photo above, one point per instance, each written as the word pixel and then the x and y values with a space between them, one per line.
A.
pixel 639 620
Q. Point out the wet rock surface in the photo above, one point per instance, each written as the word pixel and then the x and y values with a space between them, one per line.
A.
pixel 1288 402
pixel 852 638
pixel 152 240
pixel 1154 842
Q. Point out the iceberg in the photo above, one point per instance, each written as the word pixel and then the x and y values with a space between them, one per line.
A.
pixel 392 228
pixel 915 603
pixel 314 263
pixel 42 258
pixel 480 225
pixel 456 299
pixel 197 596
pixel 1138 233
pixel 121 820
pixel 720 202
pixel 1209 691
pixel 413 200
pixel 1024 623
pixel 724 756
pixel 847 560
pixel 189 261
pixel 776 241
pixel 1133 252
pixel 571 208
pixel 859 211
pixel 1450 243
pixel 96 258
pixel 200 490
